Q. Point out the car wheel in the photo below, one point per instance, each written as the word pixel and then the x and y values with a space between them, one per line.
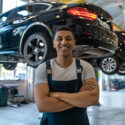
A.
pixel 109 65
pixel 37 49
pixel 121 72
pixel 10 66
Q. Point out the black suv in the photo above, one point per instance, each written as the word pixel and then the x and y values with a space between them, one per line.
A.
pixel 26 32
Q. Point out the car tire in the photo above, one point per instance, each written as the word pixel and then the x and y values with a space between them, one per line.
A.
pixel 37 49
pixel 109 65
pixel 9 66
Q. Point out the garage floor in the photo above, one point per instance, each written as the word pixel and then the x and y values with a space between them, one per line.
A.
pixel 110 112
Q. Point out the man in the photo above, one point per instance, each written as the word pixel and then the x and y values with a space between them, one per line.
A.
pixel 65 86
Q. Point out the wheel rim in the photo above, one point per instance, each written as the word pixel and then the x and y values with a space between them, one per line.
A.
pixel 36 49
pixel 109 65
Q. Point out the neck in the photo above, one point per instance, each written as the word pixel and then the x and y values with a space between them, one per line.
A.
pixel 64 61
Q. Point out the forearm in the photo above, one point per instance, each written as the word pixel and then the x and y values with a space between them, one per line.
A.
pixel 88 95
pixel 45 103
pixel 79 99
pixel 50 104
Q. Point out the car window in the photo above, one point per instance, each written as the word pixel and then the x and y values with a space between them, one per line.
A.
pixel 36 8
pixel 23 11
pixel 13 14
pixel 39 7
pixel 16 14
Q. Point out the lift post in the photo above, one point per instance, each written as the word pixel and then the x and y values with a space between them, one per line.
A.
pixel 1 6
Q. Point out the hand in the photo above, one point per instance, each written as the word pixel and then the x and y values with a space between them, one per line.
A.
pixel 88 85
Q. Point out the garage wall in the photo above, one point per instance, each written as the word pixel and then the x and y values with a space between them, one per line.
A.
pixel 115 7
pixel 26 86
pixel 21 85
pixel 12 4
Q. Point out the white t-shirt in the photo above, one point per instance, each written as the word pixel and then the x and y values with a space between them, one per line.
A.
pixel 63 74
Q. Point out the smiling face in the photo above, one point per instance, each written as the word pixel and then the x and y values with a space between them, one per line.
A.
pixel 64 42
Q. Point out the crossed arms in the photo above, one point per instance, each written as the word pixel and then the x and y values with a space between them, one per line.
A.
pixel 59 101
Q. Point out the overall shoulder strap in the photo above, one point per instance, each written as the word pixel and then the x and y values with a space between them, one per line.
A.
pixel 79 68
pixel 48 70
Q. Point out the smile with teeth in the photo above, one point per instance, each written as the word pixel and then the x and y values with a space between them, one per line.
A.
pixel 64 47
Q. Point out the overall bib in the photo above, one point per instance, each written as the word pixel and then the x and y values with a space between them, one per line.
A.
pixel 73 116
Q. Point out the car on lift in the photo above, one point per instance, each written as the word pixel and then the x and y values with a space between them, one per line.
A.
pixel 26 32
pixel 115 63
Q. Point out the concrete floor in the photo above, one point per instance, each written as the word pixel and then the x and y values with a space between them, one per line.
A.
pixel 110 112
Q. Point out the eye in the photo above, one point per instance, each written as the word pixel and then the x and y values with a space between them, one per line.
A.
pixel 59 39
pixel 69 38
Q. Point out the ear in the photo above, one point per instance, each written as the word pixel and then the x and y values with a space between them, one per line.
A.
pixel 74 44
pixel 54 44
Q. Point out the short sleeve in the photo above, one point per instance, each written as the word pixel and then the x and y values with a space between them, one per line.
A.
pixel 40 74
pixel 88 70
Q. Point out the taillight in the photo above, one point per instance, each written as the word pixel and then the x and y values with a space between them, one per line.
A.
pixel 123 41
pixel 82 12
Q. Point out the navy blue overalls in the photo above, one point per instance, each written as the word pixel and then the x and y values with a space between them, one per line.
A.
pixel 73 116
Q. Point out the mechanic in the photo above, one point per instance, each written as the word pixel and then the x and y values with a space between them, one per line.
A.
pixel 65 86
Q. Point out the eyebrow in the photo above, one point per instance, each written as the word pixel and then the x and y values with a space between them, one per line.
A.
pixel 65 36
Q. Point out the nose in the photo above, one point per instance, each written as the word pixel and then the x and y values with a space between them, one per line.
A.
pixel 64 41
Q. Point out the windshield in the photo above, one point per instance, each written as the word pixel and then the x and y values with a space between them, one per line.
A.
pixel 13 14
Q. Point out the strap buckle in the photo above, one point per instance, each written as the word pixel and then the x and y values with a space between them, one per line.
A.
pixel 79 70
pixel 49 71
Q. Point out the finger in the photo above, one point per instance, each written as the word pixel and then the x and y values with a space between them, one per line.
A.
pixel 89 87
